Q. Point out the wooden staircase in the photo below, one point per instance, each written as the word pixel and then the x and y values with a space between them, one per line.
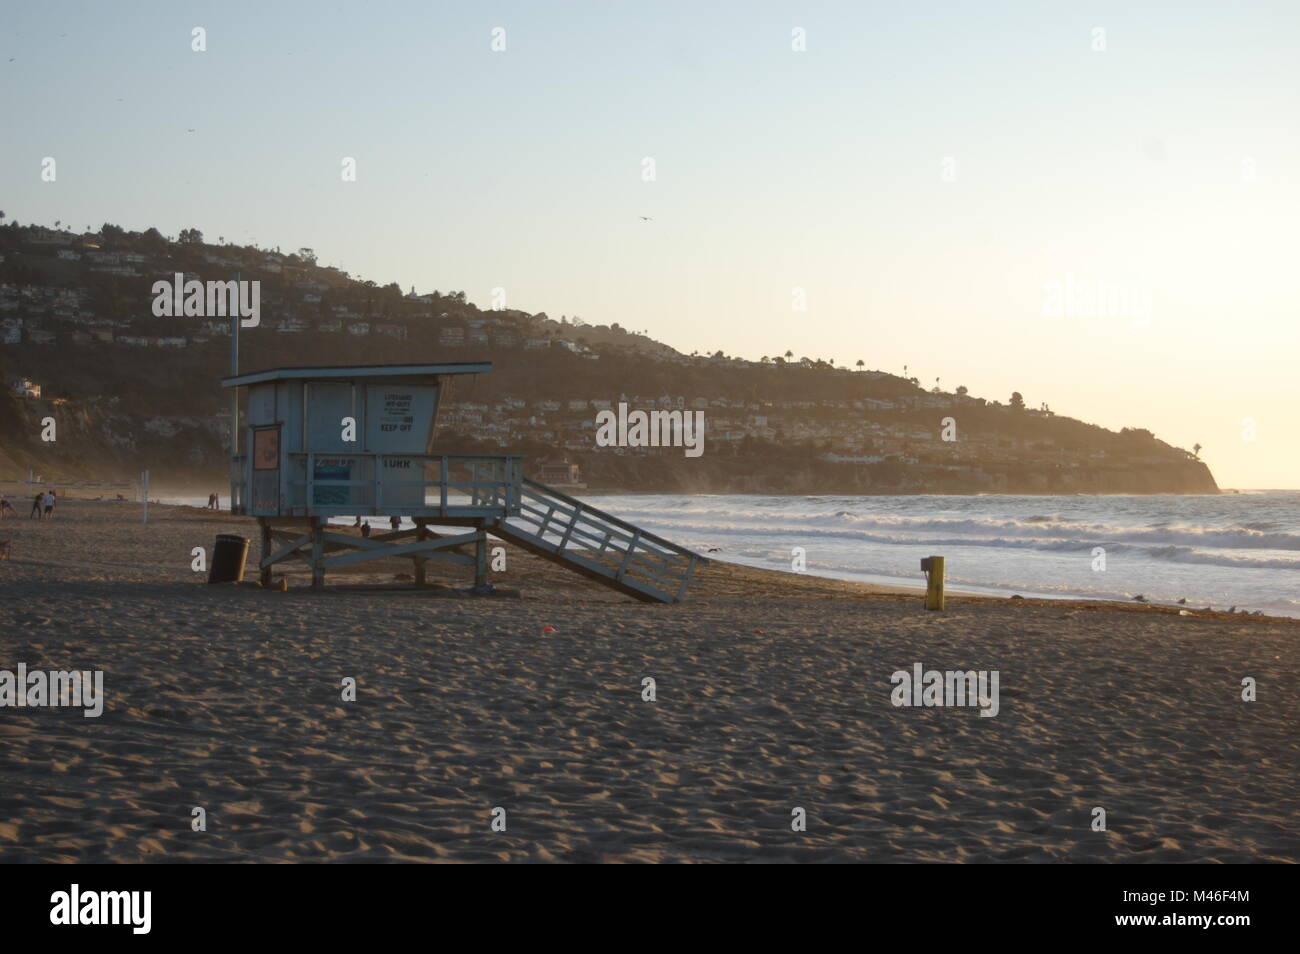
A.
pixel 598 545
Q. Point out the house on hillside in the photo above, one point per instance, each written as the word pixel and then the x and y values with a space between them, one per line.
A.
pixel 561 473
pixel 25 388
pixel 44 236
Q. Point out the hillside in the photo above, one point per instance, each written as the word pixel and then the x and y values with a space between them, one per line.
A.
pixel 129 390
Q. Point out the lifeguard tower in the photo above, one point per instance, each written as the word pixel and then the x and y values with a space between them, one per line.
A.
pixel 341 442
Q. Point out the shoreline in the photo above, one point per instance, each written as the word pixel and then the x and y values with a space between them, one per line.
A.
pixel 872 585
pixel 721 574
pixel 606 492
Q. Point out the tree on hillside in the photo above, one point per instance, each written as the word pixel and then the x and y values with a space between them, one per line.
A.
pixel 1017 401
pixel 961 389
pixel 153 239
pixel 861 364
pixel 1196 451
pixel 789 355
pixel 191 237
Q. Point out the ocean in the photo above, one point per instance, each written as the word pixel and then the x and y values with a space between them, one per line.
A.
pixel 1222 550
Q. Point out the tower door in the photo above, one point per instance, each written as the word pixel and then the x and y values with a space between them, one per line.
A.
pixel 265 492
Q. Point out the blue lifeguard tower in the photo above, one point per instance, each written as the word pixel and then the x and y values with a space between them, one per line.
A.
pixel 330 442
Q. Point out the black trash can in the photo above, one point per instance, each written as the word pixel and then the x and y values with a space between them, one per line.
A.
pixel 228 559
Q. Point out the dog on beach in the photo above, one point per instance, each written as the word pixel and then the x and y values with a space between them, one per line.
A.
pixel 4 549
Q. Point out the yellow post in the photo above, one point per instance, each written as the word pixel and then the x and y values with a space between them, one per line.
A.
pixel 933 582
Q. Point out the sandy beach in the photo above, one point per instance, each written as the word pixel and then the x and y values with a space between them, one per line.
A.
pixel 773 692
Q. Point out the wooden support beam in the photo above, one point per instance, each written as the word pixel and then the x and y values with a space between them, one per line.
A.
pixel 627 556
pixel 317 555
pixel 362 554
pixel 385 543
pixel 421 533
pixel 266 554
pixel 291 548
pixel 568 531
pixel 480 559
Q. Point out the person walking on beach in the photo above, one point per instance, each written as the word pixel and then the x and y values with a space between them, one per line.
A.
pixel 36 505
pixel 6 507
pixel 47 503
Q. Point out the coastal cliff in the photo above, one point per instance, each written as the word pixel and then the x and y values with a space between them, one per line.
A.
pixel 81 345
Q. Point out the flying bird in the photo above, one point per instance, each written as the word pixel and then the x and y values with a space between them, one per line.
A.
pixel 646 218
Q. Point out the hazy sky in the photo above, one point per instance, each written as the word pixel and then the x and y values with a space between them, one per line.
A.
pixel 932 176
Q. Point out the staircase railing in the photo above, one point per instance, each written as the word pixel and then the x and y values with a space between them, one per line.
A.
pixel 602 543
